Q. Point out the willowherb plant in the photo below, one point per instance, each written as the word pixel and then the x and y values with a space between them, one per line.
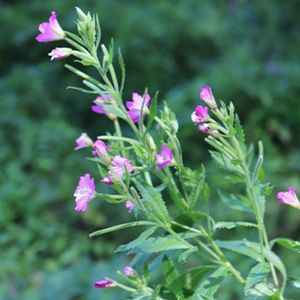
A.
pixel 177 255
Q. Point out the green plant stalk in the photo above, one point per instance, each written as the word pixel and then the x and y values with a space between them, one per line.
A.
pixel 221 256
pixel 217 254
pixel 119 134
pixel 263 238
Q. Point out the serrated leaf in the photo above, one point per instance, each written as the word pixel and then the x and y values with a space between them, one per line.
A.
pixel 141 238
pixel 121 226
pixel 260 291
pixel 235 202
pixel 272 257
pixel 194 180
pixel 211 284
pixel 239 130
pixel 231 225
pixel 182 258
pixel 192 278
pixel 225 163
pixel 256 275
pixel 240 246
pixel 159 244
pixel 171 276
pixel 153 202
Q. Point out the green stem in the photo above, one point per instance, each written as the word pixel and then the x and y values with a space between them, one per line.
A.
pixel 119 134
pixel 178 199
pixel 263 238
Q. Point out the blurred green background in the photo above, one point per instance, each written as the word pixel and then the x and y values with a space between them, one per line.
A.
pixel 248 51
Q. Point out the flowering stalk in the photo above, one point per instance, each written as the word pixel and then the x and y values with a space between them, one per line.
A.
pixel 231 146
pixel 140 168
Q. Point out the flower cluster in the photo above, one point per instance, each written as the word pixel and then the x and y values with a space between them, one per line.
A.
pixel 117 170
pixel 132 166
pixel 200 115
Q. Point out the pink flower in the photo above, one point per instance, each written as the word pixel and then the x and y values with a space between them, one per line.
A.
pixel 60 53
pixel 107 180
pixel 165 158
pixel 207 96
pixel 83 141
pixel 129 205
pixel 205 127
pixel 84 192
pixel 128 271
pixel 103 284
pixel 200 114
pixel 134 107
pixel 119 167
pixel 50 31
pixel 97 107
pixel 289 197
pixel 100 150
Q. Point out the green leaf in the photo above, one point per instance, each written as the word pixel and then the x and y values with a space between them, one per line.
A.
pixel 242 247
pixel 261 291
pixel 211 284
pixel 135 243
pixel 259 191
pixel 236 202
pixel 231 225
pixel 185 219
pixel 182 258
pixel 171 277
pixel 70 87
pixel 256 275
pixel 153 202
pixel 239 130
pixel 120 226
pixel 194 180
pixel 153 111
pixel 287 243
pixel 123 71
pixel 158 244
pixel 272 257
pixel 146 272
pixel 225 163
pixel 192 278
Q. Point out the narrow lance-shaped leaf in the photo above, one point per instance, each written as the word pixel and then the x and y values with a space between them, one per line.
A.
pixel 123 71
pixel 120 226
pixel 231 225
pixel 140 239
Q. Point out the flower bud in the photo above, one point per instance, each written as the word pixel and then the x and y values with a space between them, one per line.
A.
pixel 60 53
